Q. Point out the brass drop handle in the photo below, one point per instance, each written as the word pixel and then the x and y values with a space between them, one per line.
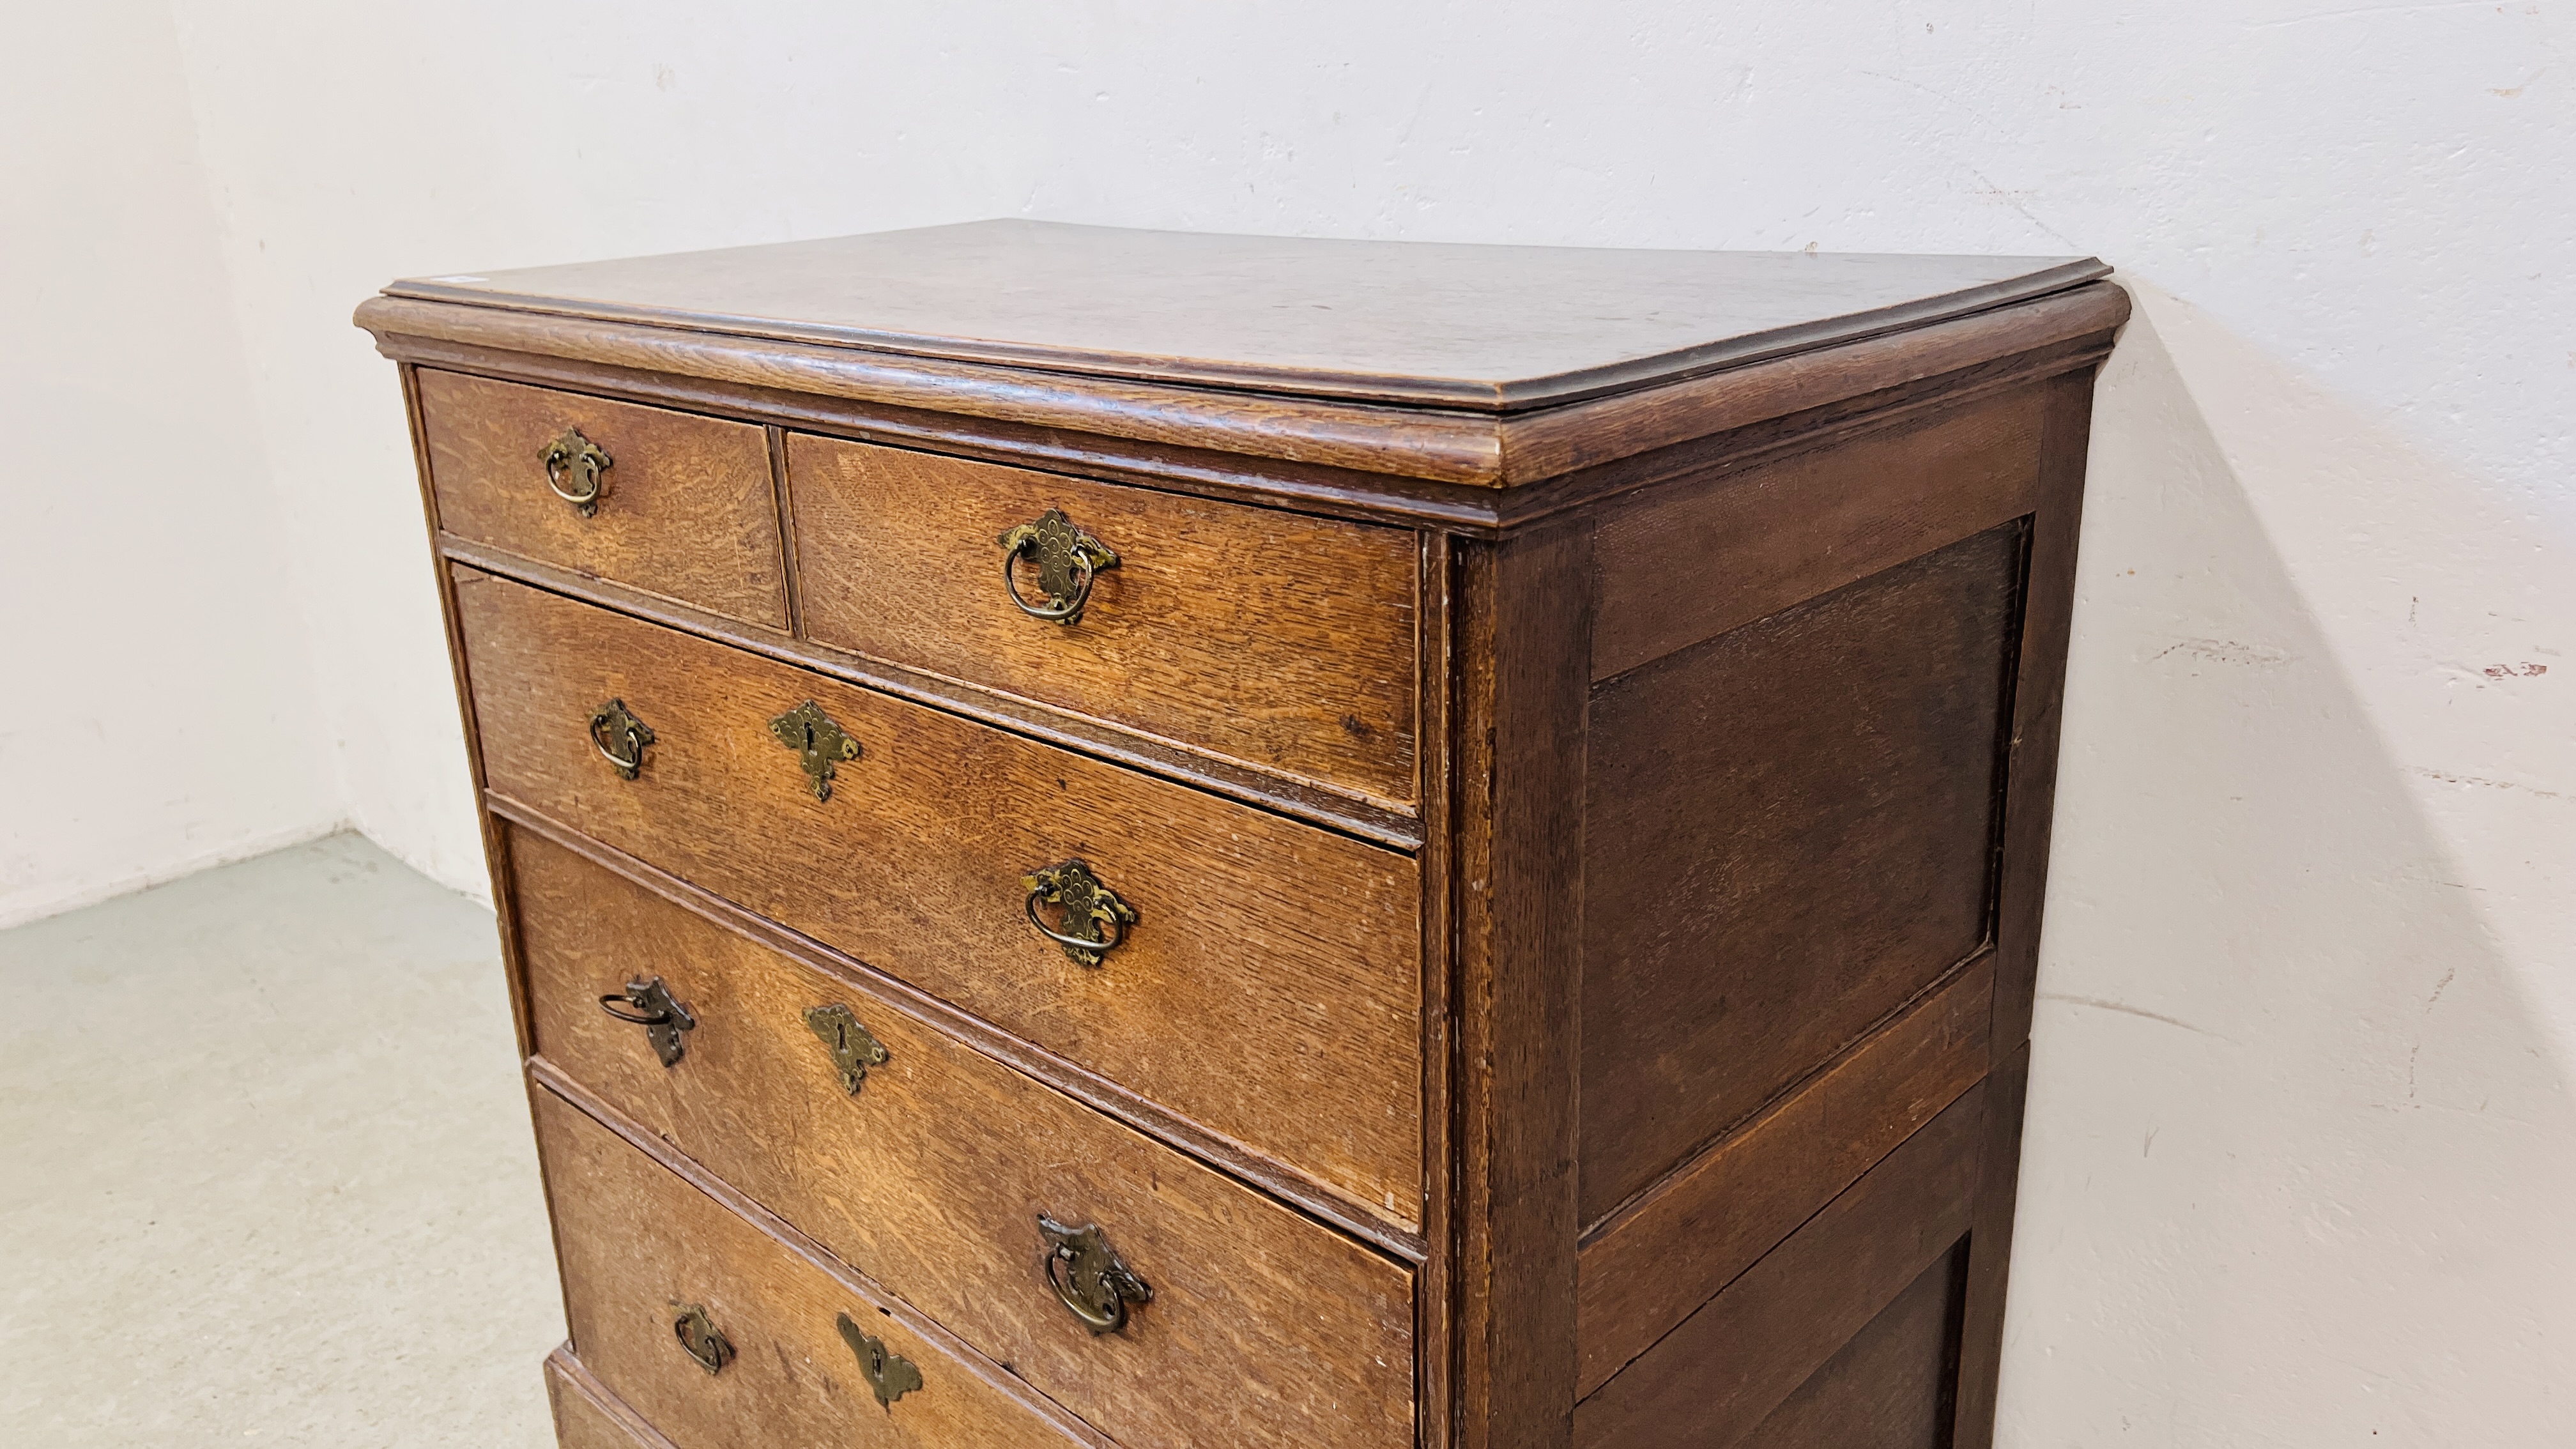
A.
pixel 1094 918
pixel 1089 1277
pixel 1068 559
pixel 648 1004
pixel 889 1374
pixel 620 737
pixel 577 470
pixel 699 1337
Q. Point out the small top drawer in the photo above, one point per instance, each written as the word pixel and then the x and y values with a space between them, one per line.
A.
pixel 1277 639
pixel 670 503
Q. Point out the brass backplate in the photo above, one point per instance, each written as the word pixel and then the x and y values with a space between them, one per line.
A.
pixel 1088 1275
pixel 648 1004
pixel 820 744
pixel 698 1335
pixel 853 1049
pixel 577 470
pixel 889 1374
pixel 1095 918
pixel 621 737
pixel 1067 560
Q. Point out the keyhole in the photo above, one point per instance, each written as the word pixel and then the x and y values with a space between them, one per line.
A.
pixel 809 739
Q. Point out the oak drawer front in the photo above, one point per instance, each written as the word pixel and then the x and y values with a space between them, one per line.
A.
pixel 1268 990
pixel 722 1337
pixel 683 507
pixel 1273 638
pixel 1260 1327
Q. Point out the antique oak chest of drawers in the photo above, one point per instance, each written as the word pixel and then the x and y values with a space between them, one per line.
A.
pixel 1119 838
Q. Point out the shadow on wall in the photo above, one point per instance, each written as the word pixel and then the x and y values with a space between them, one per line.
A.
pixel 2299 1146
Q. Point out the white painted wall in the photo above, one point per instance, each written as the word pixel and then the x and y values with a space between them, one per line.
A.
pixel 2300 1139
pixel 157 701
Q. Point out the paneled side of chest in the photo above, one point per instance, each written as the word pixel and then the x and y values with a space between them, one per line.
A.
pixel 1045 910
pixel 1820 724
pixel 1754 784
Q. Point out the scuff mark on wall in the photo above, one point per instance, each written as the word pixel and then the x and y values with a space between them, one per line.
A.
pixel 2229 651
pixel 2482 783
pixel 2098 1004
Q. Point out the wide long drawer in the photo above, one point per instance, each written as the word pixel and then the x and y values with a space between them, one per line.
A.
pixel 722 1338
pixel 937 1171
pixel 1264 981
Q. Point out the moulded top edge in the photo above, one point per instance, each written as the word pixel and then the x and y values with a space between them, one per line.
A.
pixel 1407 324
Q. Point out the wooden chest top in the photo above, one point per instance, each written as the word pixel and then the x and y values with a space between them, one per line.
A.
pixel 1489 328
pixel 1409 358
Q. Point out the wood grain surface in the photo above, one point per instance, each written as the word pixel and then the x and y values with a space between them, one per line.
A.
pixel 1500 328
pixel 1680 565
pixel 1275 638
pixel 1989 1259
pixel 1400 829
pixel 1108 1098
pixel 2039 700
pixel 1369 440
pixel 1265 1328
pixel 688 510
pixel 1831 856
pixel 1670 1096
pixel 1519 909
pixel 1890 1387
pixel 2039 706
pixel 1652 1265
pixel 1712 1381
pixel 638 1244
pixel 1788 406
pixel 1270 990
pixel 1435 1293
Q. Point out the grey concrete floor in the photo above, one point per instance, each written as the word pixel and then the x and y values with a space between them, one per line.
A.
pixel 266 1174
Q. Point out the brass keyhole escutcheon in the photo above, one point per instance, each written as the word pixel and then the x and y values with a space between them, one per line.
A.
pixel 853 1049
pixel 698 1336
pixel 577 471
pixel 1089 1277
pixel 621 737
pixel 889 1374
pixel 1068 559
pixel 648 1004
pixel 821 745
pixel 1094 918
